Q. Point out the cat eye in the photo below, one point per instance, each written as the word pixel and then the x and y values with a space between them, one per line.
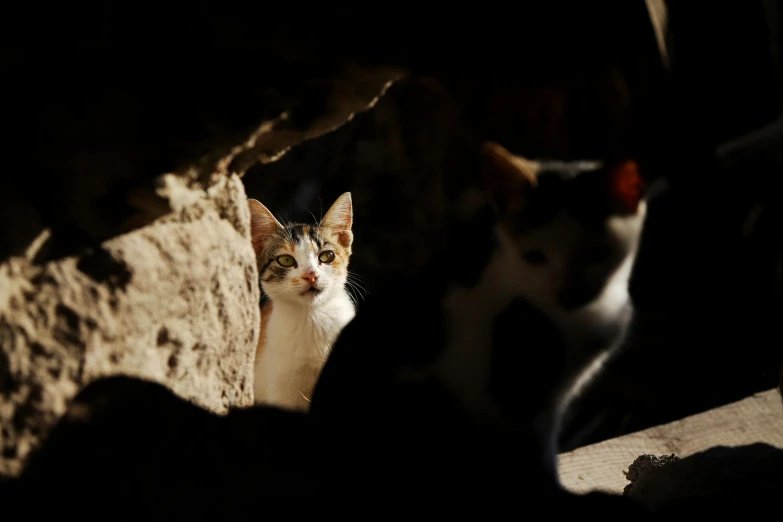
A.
pixel 534 257
pixel 327 256
pixel 286 261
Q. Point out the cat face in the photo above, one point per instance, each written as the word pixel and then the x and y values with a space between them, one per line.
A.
pixel 575 226
pixel 303 264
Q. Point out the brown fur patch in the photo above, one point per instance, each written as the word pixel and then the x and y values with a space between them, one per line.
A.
pixel 338 241
pixel 345 238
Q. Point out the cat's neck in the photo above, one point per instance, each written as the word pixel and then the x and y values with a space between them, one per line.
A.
pixel 338 304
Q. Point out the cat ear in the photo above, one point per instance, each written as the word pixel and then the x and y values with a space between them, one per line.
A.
pixel 626 186
pixel 262 224
pixel 339 218
pixel 510 178
pixel 340 214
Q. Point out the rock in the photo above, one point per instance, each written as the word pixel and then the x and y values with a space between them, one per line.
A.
pixel 133 443
pixel 174 302
pixel 726 481
pixel 644 465
pixel 131 254
pixel 99 173
pixel 193 89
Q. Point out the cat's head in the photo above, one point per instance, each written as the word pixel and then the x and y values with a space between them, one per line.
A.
pixel 303 264
pixel 575 226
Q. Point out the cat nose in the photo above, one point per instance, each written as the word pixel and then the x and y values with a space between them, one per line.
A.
pixel 310 277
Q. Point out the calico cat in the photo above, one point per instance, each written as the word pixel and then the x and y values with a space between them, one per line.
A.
pixel 465 371
pixel 304 274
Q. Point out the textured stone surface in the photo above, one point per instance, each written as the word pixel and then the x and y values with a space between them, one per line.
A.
pixel 130 253
pixel 645 464
pixel 100 179
pixel 742 480
pixel 174 302
pixel 755 419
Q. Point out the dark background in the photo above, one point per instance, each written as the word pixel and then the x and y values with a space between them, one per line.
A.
pixel 708 279
pixel 101 97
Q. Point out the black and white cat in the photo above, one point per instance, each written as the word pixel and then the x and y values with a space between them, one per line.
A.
pixel 470 365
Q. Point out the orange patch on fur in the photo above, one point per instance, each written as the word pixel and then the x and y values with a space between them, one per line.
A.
pixel 627 185
pixel 344 238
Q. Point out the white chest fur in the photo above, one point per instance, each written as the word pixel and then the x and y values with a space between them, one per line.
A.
pixel 294 348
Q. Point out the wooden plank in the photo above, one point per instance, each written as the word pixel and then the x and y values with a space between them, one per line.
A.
pixel 602 466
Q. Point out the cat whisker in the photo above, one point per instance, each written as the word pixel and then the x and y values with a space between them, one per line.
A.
pixel 321 204
pixel 354 293
pixel 351 293
pixel 356 279
pixel 350 280
pixel 358 292
pixel 359 288
pixel 354 274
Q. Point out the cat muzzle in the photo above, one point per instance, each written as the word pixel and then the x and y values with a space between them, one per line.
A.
pixel 313 290
pixel 312 278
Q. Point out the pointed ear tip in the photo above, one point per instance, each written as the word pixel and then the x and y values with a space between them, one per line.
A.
pixel 254 204
pixel 345 199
